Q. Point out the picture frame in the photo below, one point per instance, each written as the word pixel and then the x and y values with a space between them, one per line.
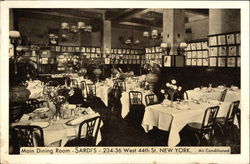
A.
pixel 221 39
pixel 222 51
pixel 221 62
pixel 213 62
pixel 237 38
pixel 231 62
pixel 230 39
pixel 205 62
pixel 213 40
pixel 232 51
pixel 213 51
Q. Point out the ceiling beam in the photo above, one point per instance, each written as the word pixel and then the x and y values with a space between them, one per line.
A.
pixel 156 23
pixel 125 15
pixel 199 11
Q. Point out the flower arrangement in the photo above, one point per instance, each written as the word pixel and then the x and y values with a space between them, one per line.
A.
pixel 152 67
pixel 171 89
pixel 57 95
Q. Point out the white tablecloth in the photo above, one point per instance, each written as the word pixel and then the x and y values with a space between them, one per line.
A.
pixel 173 120
pixel 58 131
pixel 125 100
pixel 215 94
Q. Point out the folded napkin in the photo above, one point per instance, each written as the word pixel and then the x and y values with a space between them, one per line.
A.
pixel 25 117
pixel 41 110
pixel 41 124
pixel 197 89
pixel 71 106
pixel 221 87
pixel 234 88
pixel 183 107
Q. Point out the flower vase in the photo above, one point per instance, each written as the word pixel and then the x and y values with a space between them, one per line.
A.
pixel 58 109
pixel 172 99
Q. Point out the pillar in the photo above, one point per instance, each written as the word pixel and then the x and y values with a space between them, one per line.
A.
pixel 106 35
pixel 224 21
pixel 173 28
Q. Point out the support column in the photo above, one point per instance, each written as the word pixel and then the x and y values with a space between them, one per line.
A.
pixel 106 35
pixel 173 28
pixel 224 21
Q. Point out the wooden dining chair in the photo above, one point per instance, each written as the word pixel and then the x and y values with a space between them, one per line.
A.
pixel 90 91
pixel 136 107
pixel 73 83
pixel 120 83
pixel 226 123
pixel 16 111
pixel 206 128
pixel 151 99
pixel 32 104
pixel 223 95
pixel 88 136
pixel 28 135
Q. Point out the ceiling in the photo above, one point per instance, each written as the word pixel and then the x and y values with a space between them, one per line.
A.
pixel 136 18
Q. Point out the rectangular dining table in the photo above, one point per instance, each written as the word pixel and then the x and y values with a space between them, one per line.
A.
pixel 57 133
pixel 173 119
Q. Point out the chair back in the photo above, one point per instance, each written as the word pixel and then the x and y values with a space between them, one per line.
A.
pixel 83 84
pixel 16 111
pixel 223 95
pixel 151 99
pixel 73 83
pixel 29 136
pixel 185 95
pixel 92 126
pixel 209 118
pixel 90 90
pixel 234 106
pixel 135 98
pixel 121 84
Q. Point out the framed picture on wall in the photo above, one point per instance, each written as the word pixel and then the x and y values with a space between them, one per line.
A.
pixel 222 51
pixel 198 46
pixel 212 62
pixel 231 62
pixel 194 62
pixel 194 54
pixel 232 51
pixel 188 62
pixel 167 61
pixel 205 54
pixel 199 62
pixel 221 40
pixel 213 51
pixel 221 62
pixel 205 62
pixel 213 40
pixel 238 61
pixel 230 39
pixel 193 46
pixel 237 38
pixel 204 45
pixel 199 54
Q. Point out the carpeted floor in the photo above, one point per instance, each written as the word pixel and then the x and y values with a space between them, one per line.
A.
pixel 122 132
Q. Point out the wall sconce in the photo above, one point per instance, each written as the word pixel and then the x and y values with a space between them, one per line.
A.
pixel 181 48
pixel 166 48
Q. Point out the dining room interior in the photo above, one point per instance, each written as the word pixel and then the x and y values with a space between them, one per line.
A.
pixel 124 77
